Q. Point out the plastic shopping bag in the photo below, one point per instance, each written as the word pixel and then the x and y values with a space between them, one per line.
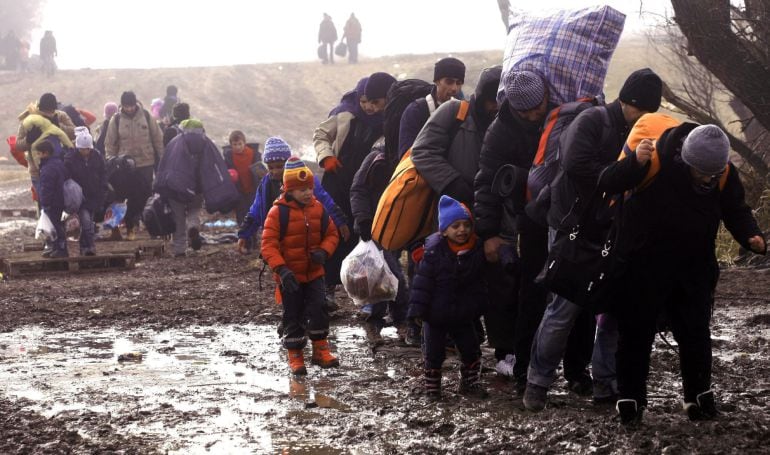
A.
pixel 45 228
pixel 114 215
pixel 73 196
pixel 366 276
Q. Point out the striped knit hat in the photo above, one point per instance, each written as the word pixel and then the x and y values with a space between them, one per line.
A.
pixel 296 175
pixel 276 149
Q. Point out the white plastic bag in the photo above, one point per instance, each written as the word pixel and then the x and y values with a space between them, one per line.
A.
pixel 45 228
pixel 366 276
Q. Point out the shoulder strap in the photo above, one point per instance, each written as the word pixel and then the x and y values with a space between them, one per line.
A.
pixel 541 146
pixel 723 178
pixel 462 113
pixel 431 103
pixel 283 220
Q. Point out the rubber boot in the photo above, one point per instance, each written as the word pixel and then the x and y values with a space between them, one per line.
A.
pixel 322 355
pixel 297 362
pixel 432 384
pixel 470 381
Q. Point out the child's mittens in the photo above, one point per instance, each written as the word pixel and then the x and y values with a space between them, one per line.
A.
pixel 288 280
pixel 318 256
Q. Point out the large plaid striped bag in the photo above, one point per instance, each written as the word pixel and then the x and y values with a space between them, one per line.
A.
pixel 571 49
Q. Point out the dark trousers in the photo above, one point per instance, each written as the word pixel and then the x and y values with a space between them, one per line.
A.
pixel 434 343
pixel 304 315
pixel 329 51
pixel 580 346
pixel 500 317
pixel 395 308
pixel 687 302
pixel 533 251
pixel 138 198
pixel 352 52
pixel 54 214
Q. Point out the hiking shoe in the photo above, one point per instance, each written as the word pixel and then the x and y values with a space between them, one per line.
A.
pixel 608 400
pixel 629 412
pixel 470 381
pixel 583 385
pixel 535 397
pixel 194 236
pixel 372 330
pixel 432 384
pixel 413 336
pixel 322 355
pixel 297 362
pixel 504 366
pixel 703 409
pixel 59 254
pixel 115 235
pixel 130 234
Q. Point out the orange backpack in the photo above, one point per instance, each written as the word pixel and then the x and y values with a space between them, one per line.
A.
pixel 407 208
pixel 652 126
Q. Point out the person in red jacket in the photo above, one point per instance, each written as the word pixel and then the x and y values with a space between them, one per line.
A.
pixel 297 239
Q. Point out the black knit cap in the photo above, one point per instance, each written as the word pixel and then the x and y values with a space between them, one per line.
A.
pixel 128 99
pixel 642 90
pixel 47 102
pixel 378 85
pixel 449 67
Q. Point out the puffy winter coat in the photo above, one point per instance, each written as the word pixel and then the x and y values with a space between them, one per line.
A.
pixel 52 177
pixel 262 204
pixel 303 236
pixel 509 140
pixel 90 174
pixel 138 136
pixel 448 288
pixel 45 128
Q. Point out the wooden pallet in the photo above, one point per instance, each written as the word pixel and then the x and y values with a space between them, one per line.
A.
pixel 18 213
pixel 140 249
pixel 14 268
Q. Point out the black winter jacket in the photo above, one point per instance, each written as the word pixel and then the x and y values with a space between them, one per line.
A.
pixel 668 224
pixel 90 174
pixel 368 185
pixel 448 288
pixel 587 149
pixel 52 177
pixel 509 140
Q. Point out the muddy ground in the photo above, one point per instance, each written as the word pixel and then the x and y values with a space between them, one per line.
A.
pixel 213 377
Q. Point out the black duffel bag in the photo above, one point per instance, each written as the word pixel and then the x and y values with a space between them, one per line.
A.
pixel 158 217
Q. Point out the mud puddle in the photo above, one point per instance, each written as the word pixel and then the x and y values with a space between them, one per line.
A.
pixel 197 389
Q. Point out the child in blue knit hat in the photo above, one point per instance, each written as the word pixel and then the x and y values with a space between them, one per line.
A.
pixel 277 152
pixel 448 294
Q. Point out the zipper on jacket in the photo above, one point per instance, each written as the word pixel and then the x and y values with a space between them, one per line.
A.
pixel 307 242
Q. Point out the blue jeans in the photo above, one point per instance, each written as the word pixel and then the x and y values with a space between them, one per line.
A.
pixel 550 343
pixel 86 217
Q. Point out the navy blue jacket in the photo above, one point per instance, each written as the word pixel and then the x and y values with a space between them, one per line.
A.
pixel 448 288
pixel 90 175
pixel 52 177
pixel 412 120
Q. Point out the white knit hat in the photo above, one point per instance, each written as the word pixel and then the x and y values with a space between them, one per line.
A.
pixel 83 139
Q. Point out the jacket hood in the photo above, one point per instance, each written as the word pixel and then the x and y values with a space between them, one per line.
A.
pixel 489 80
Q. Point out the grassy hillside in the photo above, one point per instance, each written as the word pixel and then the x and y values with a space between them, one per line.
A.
pixel 286 99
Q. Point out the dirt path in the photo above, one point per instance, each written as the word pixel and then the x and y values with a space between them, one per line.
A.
pixel 213 376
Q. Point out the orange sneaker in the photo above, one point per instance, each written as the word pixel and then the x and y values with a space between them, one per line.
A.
pixel 322 356
pixel 297 361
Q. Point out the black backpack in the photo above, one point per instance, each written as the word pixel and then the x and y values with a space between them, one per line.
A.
pixel 158 217
pixel 400 95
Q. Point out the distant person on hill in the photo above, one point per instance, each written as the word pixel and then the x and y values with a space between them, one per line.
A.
pixel 448 77
pixel 47 53
pixel 110 109
pixel 169 101
pixel 352 36
pixel 86 167
pixel 24 47
pixel 327 35
pixel 179 113
pixel 341 143
pixel 133 132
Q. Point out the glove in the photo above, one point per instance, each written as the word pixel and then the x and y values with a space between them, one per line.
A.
pixel 318 256
pixel 331 164
pixel 459 190
pixel 288 280
pixel 246 225
pixel 365 230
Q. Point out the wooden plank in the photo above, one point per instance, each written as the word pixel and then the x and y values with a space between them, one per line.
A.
pixel 149 248
pixel 18 213
pixel 80 264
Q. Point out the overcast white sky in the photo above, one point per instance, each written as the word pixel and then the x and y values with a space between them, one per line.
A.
pixel 178 33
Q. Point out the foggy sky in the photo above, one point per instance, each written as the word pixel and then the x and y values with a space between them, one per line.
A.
pixel 176 33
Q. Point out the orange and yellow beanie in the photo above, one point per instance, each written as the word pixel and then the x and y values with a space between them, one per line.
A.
pixel 296 175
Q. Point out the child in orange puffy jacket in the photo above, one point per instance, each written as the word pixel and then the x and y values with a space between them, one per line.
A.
pixel 297 239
